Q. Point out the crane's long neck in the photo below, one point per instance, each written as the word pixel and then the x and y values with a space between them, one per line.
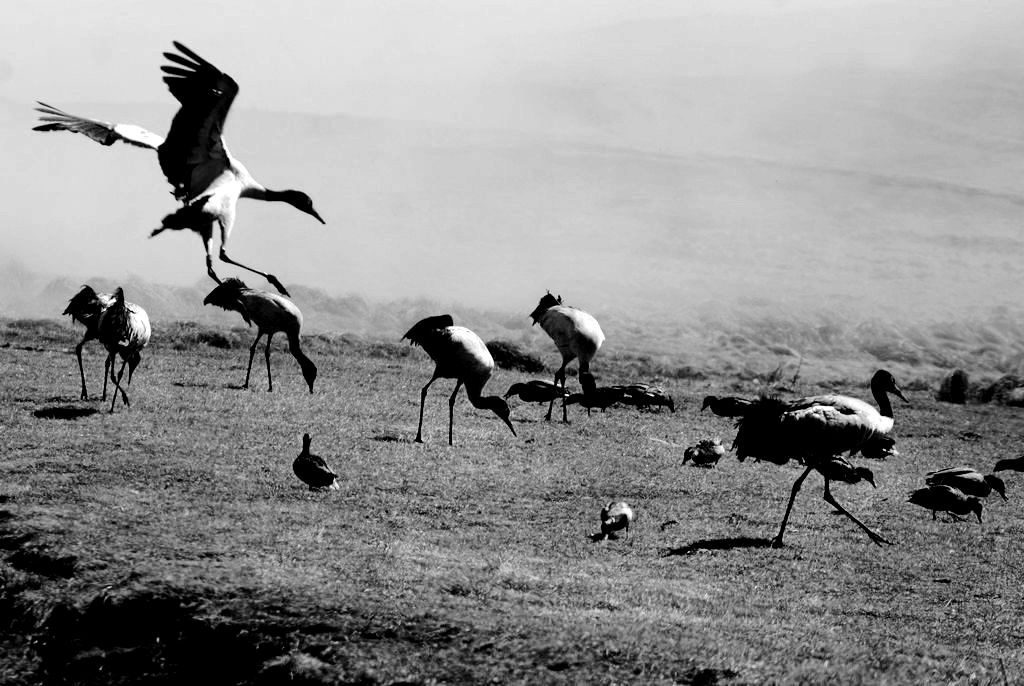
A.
pixel 308 368
pixel 882 399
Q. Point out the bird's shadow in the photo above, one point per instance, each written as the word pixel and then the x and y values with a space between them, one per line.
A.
pixel 391 438
pixel 720 544
pixel 64 412
pixel 192 384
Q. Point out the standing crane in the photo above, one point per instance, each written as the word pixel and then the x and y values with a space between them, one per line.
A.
pixel 576 335
pixel 123 330
pixel 207 180
pixel 271 313
pixel 86 307
pixel 458 354
pixel 815 431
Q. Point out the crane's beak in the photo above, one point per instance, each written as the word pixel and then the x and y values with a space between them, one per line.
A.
pixel 317 215
pixel 510 427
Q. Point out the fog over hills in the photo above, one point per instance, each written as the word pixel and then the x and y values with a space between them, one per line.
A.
pixel 859 162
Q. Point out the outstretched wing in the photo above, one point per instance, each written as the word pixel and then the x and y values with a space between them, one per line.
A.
pixel 194 155
pixel 103 132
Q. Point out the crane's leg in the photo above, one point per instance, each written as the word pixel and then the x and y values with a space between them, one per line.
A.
pixel 558 373
pixel 81 369
pixel 266 352
pixel 832 501
pixel 451 409
pixel 117 386
pixel 252 354
pixel 106 370
pixel 207 237
pixel 423 400
pixel 777 541
pixel 224 258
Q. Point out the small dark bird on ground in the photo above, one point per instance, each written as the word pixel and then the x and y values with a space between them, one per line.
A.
pixel 706 453
pixel 942 498
pixel 726 406
pixel 536 391
pixel 313 470
pixel 1015 464
pixel 645 396
pixel 616 516
pixel 968 481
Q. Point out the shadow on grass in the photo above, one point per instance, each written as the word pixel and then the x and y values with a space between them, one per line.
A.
pixel 391 438
pixel 64 412
pixel 720 544
pixel 192 384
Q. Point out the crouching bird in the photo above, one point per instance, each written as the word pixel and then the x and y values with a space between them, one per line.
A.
pixel 616 516
pixel 968 481
pixel 943 498
pixel 458 354
pixel 815 431
pixel 313 470
pixel 706 453
pixel 271 313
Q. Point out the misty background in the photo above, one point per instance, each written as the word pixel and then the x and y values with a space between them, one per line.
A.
pixel 656 163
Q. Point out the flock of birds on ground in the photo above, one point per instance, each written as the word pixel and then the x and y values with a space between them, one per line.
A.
pixel 819 432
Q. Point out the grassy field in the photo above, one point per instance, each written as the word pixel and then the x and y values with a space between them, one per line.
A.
pixel 170 541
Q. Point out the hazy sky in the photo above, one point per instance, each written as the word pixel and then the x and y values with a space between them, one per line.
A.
pixel 753 133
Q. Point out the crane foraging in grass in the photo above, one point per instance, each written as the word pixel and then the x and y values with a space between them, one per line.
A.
pixel 313 470
pixel 271 313
pixel 85 307
pixel 815 431
pixel 207 180
pixel 576 335
pixel 458 354
pixel 945 498
pixel 968 481
pixel 123 330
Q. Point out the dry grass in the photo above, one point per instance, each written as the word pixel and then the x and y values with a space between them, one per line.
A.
pixel 170 541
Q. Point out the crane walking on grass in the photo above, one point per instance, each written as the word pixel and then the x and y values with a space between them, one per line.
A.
pixel 123 330
pixel 207 180
pixel 815 431
pixel 576 335
pixel 271 313
pixel 458 354
pixel 86 307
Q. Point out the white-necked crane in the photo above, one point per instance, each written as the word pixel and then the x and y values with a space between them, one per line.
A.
pixel 576 335
pixel 944 498
pixel 123 330
pixel 85 307
pixel 458 354
pixel 815 431
pixel 313 469
pixel 616 516
pixel 968 481
pixel 194 157
pixel 271 313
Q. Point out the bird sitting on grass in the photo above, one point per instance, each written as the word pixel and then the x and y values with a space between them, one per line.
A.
pixel 85 308
pixel 706 453
pixel 943 498
pixel 968 481
pixel 536 391
pixel 313 470
pixel 1012 463
pixel 616 516
pixel 645 396
pixel 271 313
